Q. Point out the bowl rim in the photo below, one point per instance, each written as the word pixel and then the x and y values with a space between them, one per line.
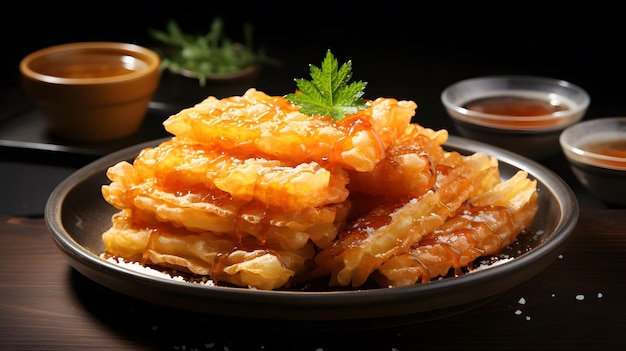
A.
pixel 146 55
pixel 590 158
pixel 563 118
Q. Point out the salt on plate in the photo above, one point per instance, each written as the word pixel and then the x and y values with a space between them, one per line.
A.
pixel 139 268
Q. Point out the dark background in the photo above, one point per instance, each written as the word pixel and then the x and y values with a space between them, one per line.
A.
pixel 410 50
pixel 406 50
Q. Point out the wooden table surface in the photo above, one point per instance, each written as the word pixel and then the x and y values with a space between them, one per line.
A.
pixel 577 303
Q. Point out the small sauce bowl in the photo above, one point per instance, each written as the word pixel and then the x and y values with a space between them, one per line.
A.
pixel 91 91
pixel 596 151
pixel 523 114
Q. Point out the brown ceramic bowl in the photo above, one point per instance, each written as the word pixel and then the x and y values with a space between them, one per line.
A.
pixel 91 91
pixel 524 114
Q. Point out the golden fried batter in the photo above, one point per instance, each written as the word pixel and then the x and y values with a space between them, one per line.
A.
pixel 259 125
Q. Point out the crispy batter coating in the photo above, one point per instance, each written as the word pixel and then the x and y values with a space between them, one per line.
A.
pixel 474 231
pixel 175 164
pixel 219 257
pixel 259 125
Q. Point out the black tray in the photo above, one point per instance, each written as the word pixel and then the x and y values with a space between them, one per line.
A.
pixel 24 136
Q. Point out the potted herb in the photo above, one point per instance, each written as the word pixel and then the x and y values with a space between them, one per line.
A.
pixel 195 66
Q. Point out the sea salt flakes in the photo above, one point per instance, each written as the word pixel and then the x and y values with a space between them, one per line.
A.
pixel 137 267
pixel 479 217
pixel 518 312
pixel 488 263
pixel 580 297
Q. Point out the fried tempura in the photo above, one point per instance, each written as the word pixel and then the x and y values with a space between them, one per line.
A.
pixel 251 192
pixel 177 163
pixel 476 230
pixel 222 258
pixel 259 125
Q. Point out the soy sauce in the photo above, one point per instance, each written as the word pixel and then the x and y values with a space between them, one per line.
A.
pixel 93 66
pixel 614 148
pixel 517 106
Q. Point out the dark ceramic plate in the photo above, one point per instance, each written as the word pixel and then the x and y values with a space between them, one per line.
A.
pixel 77 215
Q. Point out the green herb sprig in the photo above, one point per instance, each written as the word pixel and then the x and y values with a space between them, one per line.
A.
pixel 329 92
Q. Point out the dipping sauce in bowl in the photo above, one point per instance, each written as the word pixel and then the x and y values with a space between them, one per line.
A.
pixel 91 91
pixel 90 65
pixel 612 148
pixel 524 114
pixel 596 151
pixel 517 106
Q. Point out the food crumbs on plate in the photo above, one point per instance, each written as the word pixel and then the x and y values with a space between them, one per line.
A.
pixel 600 295
pixel 522 301
pixel 518 312
pixel 580 297
pixel 527 318
pixel 560 257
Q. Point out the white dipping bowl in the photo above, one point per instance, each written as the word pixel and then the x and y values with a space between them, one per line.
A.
pixel 532 129
pixel 596 151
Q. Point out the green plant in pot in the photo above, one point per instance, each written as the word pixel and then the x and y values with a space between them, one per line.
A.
pixel 195 66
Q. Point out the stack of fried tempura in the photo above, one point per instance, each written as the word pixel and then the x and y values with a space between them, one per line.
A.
pixel 250 192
